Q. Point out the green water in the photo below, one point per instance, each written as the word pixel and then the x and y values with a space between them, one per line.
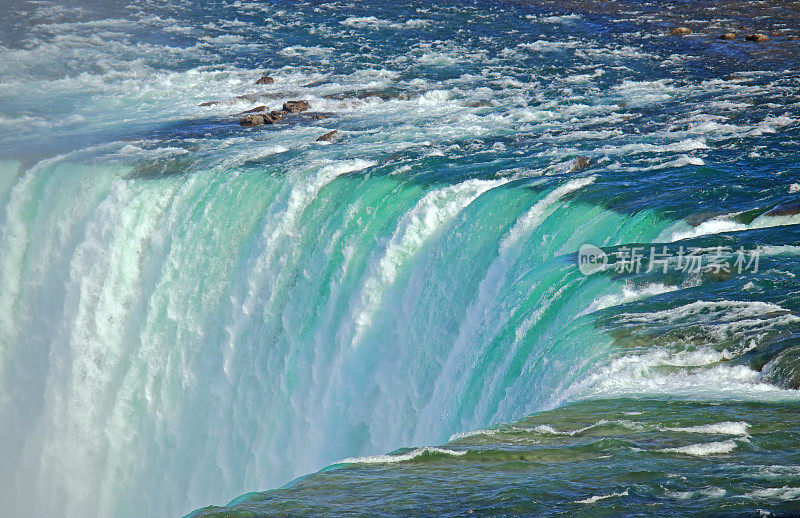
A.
pixel 656 457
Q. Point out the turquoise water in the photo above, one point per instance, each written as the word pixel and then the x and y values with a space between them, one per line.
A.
pixel 193 311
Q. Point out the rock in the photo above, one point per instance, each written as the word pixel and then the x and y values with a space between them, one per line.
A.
pixel 728 36
pixel 254 110
pixel 680 31
pixel 254 120
pixel 579 164
pixel 757 37
pixel 792 38
pixel 295 106
pixel 277 115
pixel 329 137
pixel 209 103
pixel 265 80
pixel 789 208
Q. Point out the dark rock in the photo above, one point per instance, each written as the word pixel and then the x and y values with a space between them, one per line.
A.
pixel 680 31
pixel 295 106
pixel 579 164
pixel 790 208
pixel 254 120
pixel 792 38
pixel 728 36
pixel 329 137
pixel 757 37
pixel 277 115
pixel 265 80
pixel 209 103
pixel 257 109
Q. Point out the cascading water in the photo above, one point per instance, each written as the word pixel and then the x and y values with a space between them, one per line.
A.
pixel 153 300
pixel 191 310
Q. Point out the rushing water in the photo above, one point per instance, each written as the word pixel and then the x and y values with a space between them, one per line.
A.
pixel 192 310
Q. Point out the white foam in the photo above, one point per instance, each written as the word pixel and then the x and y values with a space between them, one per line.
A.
pixel 372 22
pixel 722 224
pixel 387 459
pixel 565 18
pixel 710 311
pixel 682 146
pixel 546 429
pixel 305 51
pixel 704 449
pixel 481 431
pixel 629 294
pixel 722 428
pixel 710 492
pixel 548 45
pixel 597 498
pixel 785 494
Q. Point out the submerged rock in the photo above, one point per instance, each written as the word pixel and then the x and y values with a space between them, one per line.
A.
pixel 209 103
pixel 317 116
pixel 331 136
pixel 784 370
pixel 295 106
pixel 790 208
pixel 728 36
pixel 277 115
pixel 680 31
pixel 265 80
pixel 757 37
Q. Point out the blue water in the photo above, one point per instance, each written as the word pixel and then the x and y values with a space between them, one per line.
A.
pixel 193 310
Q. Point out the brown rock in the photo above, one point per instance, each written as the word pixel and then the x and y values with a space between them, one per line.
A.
pixel 295 106
pixel 265 80
pixel 253 120
pixel 209 103
pixel 277 115
pixel 728 36
pixel 329 137
pixel 579 164
pixel 792 38
pixel 757 37
pixel 254 110
pixel 680 31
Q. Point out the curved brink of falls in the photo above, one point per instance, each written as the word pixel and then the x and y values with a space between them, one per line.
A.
pixel 392 311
